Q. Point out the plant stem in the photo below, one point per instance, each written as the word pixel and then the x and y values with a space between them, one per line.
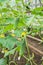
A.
pixel 34 62
pixel 15 55
pixel 28 59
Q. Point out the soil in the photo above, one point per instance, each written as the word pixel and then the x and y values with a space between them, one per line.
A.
pixel 12 64
pixel 1 55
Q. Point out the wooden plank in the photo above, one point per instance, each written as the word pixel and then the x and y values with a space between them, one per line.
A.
pixel 35 49
pixel 34 38
pixel 33 43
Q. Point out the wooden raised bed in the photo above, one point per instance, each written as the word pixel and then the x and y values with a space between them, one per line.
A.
pixel 34 44
pixel 36 48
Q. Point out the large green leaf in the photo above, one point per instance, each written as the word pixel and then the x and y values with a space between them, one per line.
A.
pixel 2 0
pixel 4 10
pixel 18 32
pixel 8 42
pixel 22 48
pixel 38 11
pixel 3 61
pixel 10 52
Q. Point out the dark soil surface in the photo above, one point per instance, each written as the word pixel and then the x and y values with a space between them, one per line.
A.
pixel 1 55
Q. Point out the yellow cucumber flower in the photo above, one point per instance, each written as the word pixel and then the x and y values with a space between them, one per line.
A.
pixel 0 15
pixel 23 34
pixel 2 36
pixel 13 35
pixel 5 51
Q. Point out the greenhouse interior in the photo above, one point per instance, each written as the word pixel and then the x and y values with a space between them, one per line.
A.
pixel 21 32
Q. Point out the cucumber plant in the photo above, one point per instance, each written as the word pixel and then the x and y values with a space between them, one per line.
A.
pixel 13 30
pixel 14 22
